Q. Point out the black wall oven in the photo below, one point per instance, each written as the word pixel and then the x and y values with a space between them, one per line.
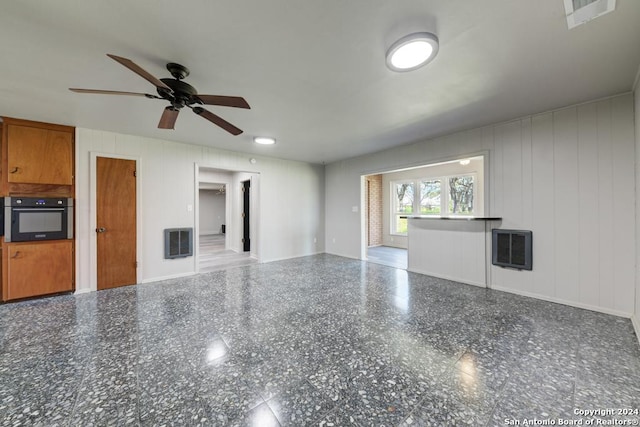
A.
pixel 35 218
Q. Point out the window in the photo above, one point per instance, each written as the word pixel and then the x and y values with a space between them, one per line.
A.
pixel 445 195
pixel 402 194
pixel 430 201
pixel 461 194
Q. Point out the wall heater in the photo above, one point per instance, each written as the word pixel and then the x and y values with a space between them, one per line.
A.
pixel 178 242
pixel 512 249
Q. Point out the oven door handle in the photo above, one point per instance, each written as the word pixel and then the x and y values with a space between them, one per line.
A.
pixel 38 209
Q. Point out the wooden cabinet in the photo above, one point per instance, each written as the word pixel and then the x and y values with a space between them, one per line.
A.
pixel 37 161
pixel 39 268
pixel 37 158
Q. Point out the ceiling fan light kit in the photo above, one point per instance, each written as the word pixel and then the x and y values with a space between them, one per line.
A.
pixel 412 52
pixel 179 94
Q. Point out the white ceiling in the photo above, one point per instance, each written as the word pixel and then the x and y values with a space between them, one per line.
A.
pixel 313 71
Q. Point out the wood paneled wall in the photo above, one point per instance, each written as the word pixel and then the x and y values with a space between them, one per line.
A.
pixel 567 175
pixel 636 97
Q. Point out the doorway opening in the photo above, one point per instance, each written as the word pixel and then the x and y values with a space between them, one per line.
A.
pixel 226 223
pixel 453 187
pixel 376 250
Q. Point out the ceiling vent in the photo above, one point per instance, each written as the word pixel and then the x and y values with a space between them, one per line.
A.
pixel 581 11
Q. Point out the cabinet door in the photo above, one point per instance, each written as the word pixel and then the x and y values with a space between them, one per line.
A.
pixel 39 156
pixel 39 268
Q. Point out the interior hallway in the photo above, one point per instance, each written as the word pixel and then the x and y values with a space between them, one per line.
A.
pixel 213 256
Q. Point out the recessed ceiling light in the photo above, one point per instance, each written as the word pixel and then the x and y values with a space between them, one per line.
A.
pixel 465 162
pixel 264 140
pixel 412 52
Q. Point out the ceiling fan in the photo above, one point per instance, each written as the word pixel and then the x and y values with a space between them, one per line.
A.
pixel 178 93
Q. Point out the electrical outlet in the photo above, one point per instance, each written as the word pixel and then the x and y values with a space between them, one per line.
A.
pixel 334 240
pixel 315 240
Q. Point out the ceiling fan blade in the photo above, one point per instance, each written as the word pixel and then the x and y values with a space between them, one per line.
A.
pixel 168 118
pixel 217 120
pixel 140 71
pixel 112 92
pixel 225 101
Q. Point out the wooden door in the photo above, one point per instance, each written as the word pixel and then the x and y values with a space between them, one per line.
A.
pixel 246 241
pixel 116 222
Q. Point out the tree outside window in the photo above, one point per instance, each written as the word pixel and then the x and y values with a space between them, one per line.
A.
pixel 404 193
pixel 404 198
pixel 430 200
pixel 461 195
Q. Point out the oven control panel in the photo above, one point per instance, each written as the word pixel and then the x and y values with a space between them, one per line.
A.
pixel 37 202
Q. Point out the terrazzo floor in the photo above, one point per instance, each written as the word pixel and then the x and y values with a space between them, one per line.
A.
pixel 319 340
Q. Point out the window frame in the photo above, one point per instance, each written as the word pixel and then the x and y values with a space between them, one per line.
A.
pixel 395 212
pixel 419 182
pixel 474 175
pixel 444 198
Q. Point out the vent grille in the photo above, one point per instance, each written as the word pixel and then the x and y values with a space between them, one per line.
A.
pixel 582 11
pixel 512 248
pixel 579 4
pixel 178 242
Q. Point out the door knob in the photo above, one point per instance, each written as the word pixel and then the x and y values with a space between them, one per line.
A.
pixel 101 230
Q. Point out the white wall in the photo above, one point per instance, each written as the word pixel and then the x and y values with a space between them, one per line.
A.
pixel 636 318
pixel 212 212
pixel 567 175
pixel 288 221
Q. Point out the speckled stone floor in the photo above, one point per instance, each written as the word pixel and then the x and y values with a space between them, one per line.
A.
pixel 319 340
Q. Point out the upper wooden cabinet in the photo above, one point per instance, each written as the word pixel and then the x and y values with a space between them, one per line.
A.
pixel 37 158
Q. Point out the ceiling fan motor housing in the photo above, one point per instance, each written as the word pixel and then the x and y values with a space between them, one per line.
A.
pixel 183 93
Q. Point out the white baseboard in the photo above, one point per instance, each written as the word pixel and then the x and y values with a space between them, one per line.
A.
pixel 153 279
pixel 636 325
pixel 172 276
pixel 289 257
pixel 341 255
pixel 564 302
pixel 453 279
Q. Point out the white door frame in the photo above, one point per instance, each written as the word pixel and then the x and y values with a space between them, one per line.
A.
pixel 230 203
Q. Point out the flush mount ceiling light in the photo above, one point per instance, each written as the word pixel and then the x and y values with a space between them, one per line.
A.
pixel 412 52
pixel 264 140
pixel 465 162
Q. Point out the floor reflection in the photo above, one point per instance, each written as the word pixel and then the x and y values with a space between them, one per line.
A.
pixel 401 292
pixel 318 340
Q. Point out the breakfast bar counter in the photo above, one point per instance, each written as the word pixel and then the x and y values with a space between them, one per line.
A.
pixel 455 248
